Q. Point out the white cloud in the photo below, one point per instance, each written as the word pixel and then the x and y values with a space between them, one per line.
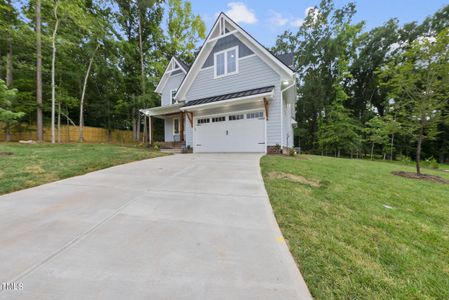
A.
pixel 240 13
pixel 296 22
pixel 277 19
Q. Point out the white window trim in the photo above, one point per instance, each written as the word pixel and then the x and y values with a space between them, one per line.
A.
pixel 174 133
pixel 171 96
pixel 236 48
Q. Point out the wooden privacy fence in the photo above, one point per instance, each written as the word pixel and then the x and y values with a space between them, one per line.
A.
pixel 70 134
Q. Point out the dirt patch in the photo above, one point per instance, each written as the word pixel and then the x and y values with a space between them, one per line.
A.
pixel 294 178
pixel 6 153
pixel 427 177
pixel 34 169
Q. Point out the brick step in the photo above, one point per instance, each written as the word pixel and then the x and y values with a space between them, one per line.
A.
pixel 173 150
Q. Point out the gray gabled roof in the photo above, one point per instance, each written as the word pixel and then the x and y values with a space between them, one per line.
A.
pixel 287 59
pixel 183 64
pixel 252 92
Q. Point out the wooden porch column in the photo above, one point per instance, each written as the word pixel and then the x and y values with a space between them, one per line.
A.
pixel 190 117
pixel 181 128
pixel 265 104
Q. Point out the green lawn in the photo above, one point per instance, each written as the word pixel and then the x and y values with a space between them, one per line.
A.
pixel 346 240
pixel 35 164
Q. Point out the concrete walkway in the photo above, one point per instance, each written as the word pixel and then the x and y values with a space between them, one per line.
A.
pixel 177 227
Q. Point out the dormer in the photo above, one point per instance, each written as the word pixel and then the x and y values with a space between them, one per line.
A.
pixel 171 80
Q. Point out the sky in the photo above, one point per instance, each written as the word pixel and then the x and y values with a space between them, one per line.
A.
pixel 265 19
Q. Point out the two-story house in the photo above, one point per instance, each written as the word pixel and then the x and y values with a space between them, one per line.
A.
pixel 235 97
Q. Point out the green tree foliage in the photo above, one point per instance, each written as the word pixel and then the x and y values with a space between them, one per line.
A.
pixel 124 42
pixel 419 82
pixel 333 55
pixel 376 133
pixel 184 30
pixel 8 116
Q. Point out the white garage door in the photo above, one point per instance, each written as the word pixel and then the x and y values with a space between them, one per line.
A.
pixel 236 132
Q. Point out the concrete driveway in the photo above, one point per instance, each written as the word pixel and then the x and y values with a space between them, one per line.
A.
pixel 176 227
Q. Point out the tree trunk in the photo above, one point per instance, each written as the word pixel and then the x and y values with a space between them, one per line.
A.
pixel 418 152
pixel 7 134
pixel 134 123
pixel 138 126
pixel 9 61
pixel 39 118
pixel 59 122
pixel 372 150
pixel 53 63
pixel 142 81
pixel 392 146
pixel 91 60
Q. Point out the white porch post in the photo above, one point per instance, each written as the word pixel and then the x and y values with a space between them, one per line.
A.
pixel 150 131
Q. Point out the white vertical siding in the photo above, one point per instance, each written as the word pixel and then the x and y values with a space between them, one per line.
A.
pixel 188 133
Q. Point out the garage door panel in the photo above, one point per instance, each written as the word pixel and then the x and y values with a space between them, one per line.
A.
pixel 238 135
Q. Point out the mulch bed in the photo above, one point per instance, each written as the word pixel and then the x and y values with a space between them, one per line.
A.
pixel 427 177
pixel 6 153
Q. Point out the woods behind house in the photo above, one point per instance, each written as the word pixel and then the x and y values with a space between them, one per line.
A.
pixel 379 93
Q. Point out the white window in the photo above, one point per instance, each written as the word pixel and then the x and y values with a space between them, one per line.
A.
pixel 236 117
pixel 255 115
pixel 175 126
pixel 218 119
pixel 203 121
pixel 220 64
pixel 172 96
pixel 226 62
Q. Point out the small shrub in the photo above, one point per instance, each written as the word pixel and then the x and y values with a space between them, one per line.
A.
pixel 432 163
pixel 291 152
pixel 406 160
pixel 156 146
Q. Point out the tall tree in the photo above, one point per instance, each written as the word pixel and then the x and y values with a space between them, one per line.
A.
pixel 325 36
pixel 184 29
pixel 39 117
pixel 419 80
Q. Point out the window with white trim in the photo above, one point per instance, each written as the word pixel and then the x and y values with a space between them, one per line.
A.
pixel 236 117
pixel 175 126
pixel 255 115
pixel 172 96
pixel 203 121
pixel 226 62
pixel 218 119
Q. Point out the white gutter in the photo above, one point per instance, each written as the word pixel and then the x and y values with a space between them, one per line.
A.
pixel 289 87
pixel 230 101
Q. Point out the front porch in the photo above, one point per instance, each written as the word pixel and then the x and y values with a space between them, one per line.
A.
pixel 174 124
pixel 234 122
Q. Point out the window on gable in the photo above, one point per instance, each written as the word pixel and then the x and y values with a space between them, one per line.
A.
pixel 226 62
pixel 231 61
pixel 172 95
pixel 220 64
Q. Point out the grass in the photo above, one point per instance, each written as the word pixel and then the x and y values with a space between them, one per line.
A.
pixel 36 164
pixel 363 233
